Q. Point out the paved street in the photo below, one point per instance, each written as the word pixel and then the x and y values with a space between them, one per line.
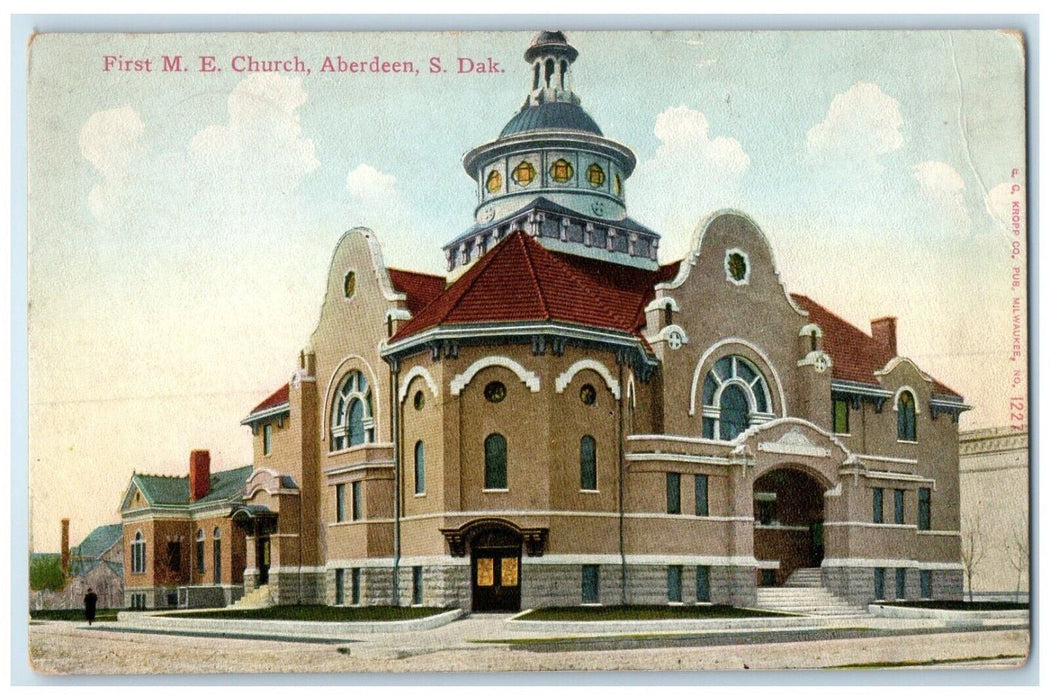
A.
pixel 63 647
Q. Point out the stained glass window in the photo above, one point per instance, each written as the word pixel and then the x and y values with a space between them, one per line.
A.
pixel 595 175
pixel 732 390
pixel 561 170
pixel 494 181
pixel 352 422
pixel 524 173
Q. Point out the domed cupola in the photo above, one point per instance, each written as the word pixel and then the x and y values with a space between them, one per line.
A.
pixel 552 155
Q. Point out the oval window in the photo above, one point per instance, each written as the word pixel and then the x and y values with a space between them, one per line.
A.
pixel 495 392
pixel 595 175
pixel 588 395
pixel 349 284
pixel 494 181
pixel 419 400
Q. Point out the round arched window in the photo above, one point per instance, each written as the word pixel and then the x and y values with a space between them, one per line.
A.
pixel 734 393
pixel 352 421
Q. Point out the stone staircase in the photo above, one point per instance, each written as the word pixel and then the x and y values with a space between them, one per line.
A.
pixel 258 598
pixel 804 594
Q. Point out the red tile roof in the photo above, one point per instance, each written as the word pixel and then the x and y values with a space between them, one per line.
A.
pixel 520 280
pixel 420 288
pixel 855 355
pixel 273 400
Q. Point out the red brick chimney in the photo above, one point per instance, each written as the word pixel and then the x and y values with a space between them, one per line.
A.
pixel 200 473
pixel 65 546
pixel 884 331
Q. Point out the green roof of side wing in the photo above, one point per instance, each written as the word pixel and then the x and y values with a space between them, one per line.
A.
pixel 175 490
pixel 101 538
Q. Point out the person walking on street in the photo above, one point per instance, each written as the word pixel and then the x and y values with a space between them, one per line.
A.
pixel 90 601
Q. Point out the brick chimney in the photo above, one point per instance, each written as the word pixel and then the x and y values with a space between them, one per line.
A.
pixel 884 331
pixel 65 546
pixel 200 473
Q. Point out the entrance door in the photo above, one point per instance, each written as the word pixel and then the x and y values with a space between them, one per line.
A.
pixel 496 576
pixel 262 558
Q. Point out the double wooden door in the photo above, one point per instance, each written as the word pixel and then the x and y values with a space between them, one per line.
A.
pixel 496 579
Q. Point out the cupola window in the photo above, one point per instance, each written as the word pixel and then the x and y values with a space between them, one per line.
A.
pixel 617 185
pixel 524 173
pixel 494 182
pixel 561 170
pixel 595 175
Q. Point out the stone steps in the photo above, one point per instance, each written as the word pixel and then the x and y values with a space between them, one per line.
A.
pixel 804 594
pixel 258 598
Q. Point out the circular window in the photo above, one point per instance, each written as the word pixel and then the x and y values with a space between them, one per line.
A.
pixel 349 284
pixel 419 400
pixel 595 175
pixel 561 170
pixel 588 395
pixel 495 392
pixel 494 181
pixel 524 173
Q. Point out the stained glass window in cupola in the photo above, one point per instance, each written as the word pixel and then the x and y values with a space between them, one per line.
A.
pixel 494 182
pixel 524 173
pixel 595 175
pixel 561 170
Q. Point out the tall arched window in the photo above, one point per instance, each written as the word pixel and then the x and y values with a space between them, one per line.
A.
pixel 495 462
pixel 906 416
pixel 138 554
pixel 216 555
pixel 735 394
pixel 352 422
pixel 200 551
pixel 588 468
pixel 421 476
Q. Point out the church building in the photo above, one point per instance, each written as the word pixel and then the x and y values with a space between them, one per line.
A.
pixel 565 420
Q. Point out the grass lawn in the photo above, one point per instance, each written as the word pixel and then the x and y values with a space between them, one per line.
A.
pixel 643 612
pixel 108 615
pixel 316 613
pixel 958 605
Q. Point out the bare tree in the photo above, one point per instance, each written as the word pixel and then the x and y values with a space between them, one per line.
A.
pixel 1018 551
pixel 972 547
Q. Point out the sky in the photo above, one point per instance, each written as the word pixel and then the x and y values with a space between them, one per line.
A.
pixel 181 223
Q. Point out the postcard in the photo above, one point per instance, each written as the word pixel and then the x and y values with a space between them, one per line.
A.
pixel 526 351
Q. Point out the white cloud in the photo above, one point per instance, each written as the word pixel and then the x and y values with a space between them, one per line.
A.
pixel 943 189
pixel 1000 204
pixel 862 123
pixel 367 183
pixel 263 138
pixel 690 175
pixel 110 140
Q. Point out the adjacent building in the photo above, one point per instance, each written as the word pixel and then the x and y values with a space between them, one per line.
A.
pixel 181 546
pixel 993 475
pixel 566 420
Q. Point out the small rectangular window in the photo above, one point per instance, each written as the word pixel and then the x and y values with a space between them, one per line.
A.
pixel 339 586
pixel 840 415
pixel 703 584
pixel 340 503
pixel 355 586
pixel 901 591
pixel 898 506
pixel 924 509
pixel 876 505
pixel 701 495
pixel 674 584
pixel 880 584
pixel 200 556
pixel 357 510
pixel 175 557
pixel 590 583
pixel 417 585
pixel 267 438
pixel 925 584
pixel 674 492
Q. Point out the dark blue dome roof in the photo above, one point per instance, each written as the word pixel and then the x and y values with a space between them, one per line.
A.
pixel 561 116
